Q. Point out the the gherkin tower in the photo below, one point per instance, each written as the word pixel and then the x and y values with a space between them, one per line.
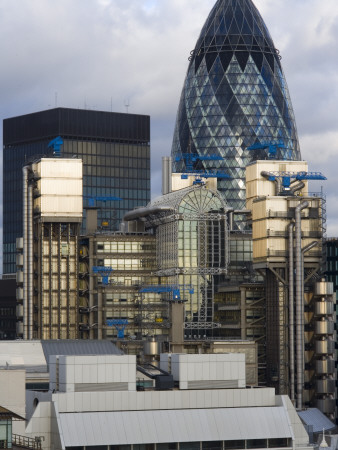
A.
pixel 234 95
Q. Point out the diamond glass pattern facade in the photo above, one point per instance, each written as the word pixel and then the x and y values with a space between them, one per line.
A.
pixel 234 95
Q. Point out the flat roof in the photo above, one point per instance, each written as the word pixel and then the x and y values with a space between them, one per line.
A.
pixel 33 356
pixel 76 123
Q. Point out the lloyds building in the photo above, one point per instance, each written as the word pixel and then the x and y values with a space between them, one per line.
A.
pixel 234 96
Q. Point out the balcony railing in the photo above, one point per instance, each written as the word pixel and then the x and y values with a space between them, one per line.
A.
pixel 26 442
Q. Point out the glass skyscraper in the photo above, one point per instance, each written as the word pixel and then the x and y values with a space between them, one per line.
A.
pixel 114 147
pixel 234 95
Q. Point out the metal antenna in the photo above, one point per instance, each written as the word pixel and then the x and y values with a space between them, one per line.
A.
pixel 127 104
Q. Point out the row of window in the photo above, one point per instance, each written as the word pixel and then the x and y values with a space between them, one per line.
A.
pixel 117 161
pixel 130 264
pixel 83 148
pixel 107 171
pixel 7 311
pixel 116 182
pixel 7 324
pixel 211 445
pixel 126 247
pixel 124 194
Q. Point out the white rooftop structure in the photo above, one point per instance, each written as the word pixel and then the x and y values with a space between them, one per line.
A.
pixel 93 401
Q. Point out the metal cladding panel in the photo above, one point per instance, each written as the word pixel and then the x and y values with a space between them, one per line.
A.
pixel 142 427
pixel 259 249
pixel 260 229
pixel 59 206
pixel 317 419
pixel 67 122
pixel 324 288
pixel 22 354
pixel 269 205
pixel 78 347
pixel 58 168
pixel 59 187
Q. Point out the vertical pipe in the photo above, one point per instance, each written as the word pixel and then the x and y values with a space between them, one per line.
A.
pixel 30 261
pixel 231 219
pixel 76 262
pixel 99 314
pixel 60 308
pixel 25 255
pixel 291 316
pixel 90 334
pixel 299 304
pixel 166 175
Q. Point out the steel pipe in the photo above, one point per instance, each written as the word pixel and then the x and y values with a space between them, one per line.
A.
pixel 297 187
pixel 166 175
pixel 30 260
pixel 277 181
pixel 291 315
pixel 299 303
pixel 25 255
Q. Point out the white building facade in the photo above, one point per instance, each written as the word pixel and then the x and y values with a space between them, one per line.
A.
pixel 93 403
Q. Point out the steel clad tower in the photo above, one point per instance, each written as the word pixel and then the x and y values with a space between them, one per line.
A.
pixel 234 95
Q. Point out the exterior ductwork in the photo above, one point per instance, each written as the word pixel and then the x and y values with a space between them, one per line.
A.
pixel 299 304
pixel 30 260
pixel 277 181
pixel 291 314
pixel 25 254
pixel 309 246
pixel 297 187
pixel 166 175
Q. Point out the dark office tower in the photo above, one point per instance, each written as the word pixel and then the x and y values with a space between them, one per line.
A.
pixel 114 147
pixel 234 95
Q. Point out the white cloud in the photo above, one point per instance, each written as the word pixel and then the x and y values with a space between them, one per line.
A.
pixel 99 53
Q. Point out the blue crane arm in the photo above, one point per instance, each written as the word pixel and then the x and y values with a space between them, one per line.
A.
pixel 310 176
pixel 174 289
pixel 263 145
pixel 104 272
pixel 296 175
pixel 205 174
pixel 114 322
pixel 91 199
pixel 102 269
pixel 157 289
pixel 271 146
pixel 119 324
pixel 286 177
pixel 56 144
pixel 193 157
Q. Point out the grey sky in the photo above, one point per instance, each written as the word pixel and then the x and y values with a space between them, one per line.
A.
pixel 100 54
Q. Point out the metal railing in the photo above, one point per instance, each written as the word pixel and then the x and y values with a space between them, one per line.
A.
pixel 26 442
